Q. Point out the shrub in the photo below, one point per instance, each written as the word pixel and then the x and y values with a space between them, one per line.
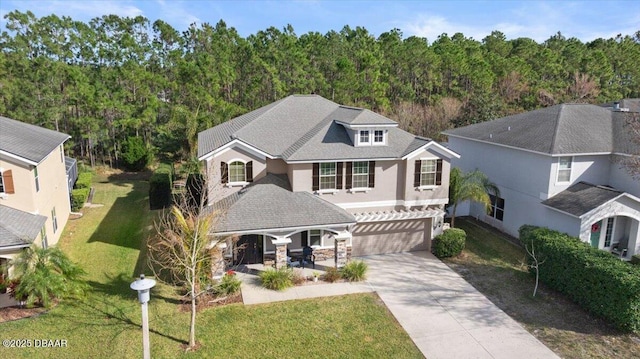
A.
pixel 160 187
pixel 354 271
pixel 298 277
pixel 594 279
pixel 135 154
pixel 78 198
pixel 332 275
pixel 228 285
pixel 84 180
pixel 450 243
pixel 277 279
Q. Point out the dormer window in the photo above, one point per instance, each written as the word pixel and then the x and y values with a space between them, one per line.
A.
pixel 378 136
pixel 364 136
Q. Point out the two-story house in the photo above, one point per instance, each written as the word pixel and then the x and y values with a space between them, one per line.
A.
pixel 34 186
pixel 306 171
pixel 559 167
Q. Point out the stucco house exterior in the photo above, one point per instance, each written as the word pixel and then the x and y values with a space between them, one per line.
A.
pixel 35 182
pixel 559 167
pixel 306 171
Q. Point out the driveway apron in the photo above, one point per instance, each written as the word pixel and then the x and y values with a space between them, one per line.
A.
pixel 444 315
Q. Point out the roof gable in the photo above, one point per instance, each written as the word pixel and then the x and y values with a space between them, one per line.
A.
pixel 582 198
pixel 28 142
pixel 19 228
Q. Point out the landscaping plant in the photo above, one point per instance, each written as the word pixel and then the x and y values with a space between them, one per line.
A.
pixel 228 285
pixel 450 243
pixel 354 271
pixel 277 279
pixel 332 275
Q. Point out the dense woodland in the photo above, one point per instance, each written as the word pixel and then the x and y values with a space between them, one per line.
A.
pixel 116 78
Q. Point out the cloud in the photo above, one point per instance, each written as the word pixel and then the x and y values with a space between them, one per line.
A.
pixel 176 13
pixel 433 26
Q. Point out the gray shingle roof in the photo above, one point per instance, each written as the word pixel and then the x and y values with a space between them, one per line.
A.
pixel 30 142
pixel 269 204
pixel 19 228
pixel 556 130
pixel 581 198
pixel 304 128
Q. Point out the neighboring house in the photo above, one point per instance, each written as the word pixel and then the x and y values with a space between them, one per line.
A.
pixel 559 167
pixel 34 186
pixel 307 171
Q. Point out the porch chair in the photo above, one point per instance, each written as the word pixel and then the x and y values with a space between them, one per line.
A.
pixel 308 256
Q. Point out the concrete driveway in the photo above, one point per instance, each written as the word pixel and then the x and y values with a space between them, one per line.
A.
pixel 445 316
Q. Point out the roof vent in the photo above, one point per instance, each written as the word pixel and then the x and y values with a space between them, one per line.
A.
pixel 491 135
pixel 509 128
pixel 616 106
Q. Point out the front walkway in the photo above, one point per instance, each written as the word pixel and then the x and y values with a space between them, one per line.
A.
pixel 444 315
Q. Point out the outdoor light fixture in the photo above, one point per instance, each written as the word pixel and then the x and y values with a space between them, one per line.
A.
pixel 143 287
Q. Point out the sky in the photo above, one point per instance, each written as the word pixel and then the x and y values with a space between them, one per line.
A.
pixel 539 20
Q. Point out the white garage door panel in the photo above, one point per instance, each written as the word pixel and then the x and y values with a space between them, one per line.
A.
pixel 389 237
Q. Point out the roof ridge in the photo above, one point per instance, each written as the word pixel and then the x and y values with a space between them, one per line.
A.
pixel 273 105
pixel 556 129
pixel 307 136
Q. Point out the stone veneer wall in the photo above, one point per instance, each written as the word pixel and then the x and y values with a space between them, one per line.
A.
pixel 321 254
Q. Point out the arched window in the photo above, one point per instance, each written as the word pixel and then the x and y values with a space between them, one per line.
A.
pixel 236 172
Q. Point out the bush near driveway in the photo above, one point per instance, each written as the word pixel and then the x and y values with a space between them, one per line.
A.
pixel 277 279
pixel 354 271
pixel 450 243
pixel 594 279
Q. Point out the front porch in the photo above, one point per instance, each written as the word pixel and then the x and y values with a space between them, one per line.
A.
pixel 618 235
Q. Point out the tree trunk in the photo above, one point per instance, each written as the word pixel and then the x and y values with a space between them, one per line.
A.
pixel 453 215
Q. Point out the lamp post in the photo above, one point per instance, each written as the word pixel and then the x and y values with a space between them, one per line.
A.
pixel 143 286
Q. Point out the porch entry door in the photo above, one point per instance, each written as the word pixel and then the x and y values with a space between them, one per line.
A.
pixel 596 228
pixel 249 249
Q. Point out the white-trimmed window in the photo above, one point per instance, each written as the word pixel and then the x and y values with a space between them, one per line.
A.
pixel 6 182
pixel 43 236
pixel 62 153
pixel 608 234
pixel 497 207
pixel 35 175
pixel 315 238
pixel 364 136
pixel 2 190
pixel 360 174
pixel 564 169
pixel 54 219
pixel 236 172
pixel 428 171
pixel 328 175
pixel 378 136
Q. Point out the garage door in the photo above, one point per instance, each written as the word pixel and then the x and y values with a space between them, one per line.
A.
pixel 390 237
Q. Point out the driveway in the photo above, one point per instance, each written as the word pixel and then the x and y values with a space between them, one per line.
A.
pixel 444 315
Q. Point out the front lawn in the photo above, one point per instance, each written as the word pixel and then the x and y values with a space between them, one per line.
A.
pixel 496 268
pixel 107 243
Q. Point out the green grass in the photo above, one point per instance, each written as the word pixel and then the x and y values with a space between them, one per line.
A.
pixel 107 243
pixel 496 267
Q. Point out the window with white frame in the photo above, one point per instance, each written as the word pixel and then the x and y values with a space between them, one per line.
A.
pixel 364 136
pixel 608 234
pixel 328 175
pixel 360 177
pixel 315 238
pixel 54 219
pixel 564 169
pixel 35 174
pixel 1 183
pixel 497 207
pixel 43 236
pixel 378 136
pixel 237 172
pixel 428 169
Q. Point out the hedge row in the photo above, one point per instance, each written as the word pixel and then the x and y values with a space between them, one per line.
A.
pixel 78 198
pixel 160 187
pixel 84 180
pixel 594 279
pixel 450 243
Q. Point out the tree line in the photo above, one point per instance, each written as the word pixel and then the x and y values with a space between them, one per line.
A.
pixel 115 77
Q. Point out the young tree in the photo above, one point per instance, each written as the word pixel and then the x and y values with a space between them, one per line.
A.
pixel 45 274
pixel 534 263
pixel 632 162
pixel 182 252
pixel 472 186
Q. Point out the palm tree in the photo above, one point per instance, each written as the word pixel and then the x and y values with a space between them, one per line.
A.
pixel 45 274
pixel 473 186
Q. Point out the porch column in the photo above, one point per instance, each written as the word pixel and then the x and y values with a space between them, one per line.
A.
pixel 281 250
pixel 217 260
pixel 340 250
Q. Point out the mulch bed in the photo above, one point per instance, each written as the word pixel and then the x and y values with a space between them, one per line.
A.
pixel 210 301
pixel 14 313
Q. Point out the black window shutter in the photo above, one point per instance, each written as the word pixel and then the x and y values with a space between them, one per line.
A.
pixel 304 238
pixel 416 174
pixel 249 171
pixel 339 175
pixel 316 177
pixel 438 172
pixel 349 183
pixel 224 172
pixel 372 174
